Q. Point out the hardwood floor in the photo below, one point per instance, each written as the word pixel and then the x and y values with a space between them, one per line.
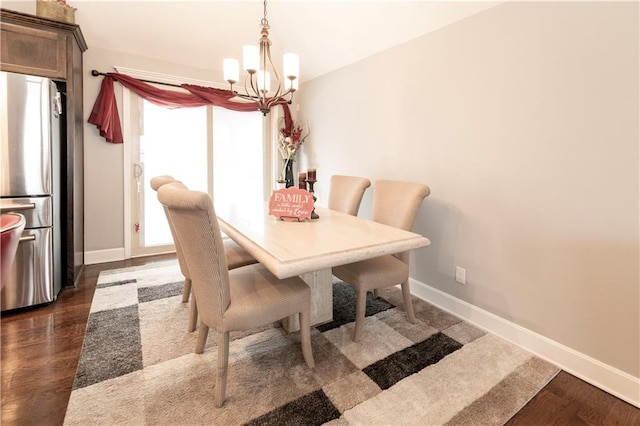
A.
pixel 41 347
pixel 567 400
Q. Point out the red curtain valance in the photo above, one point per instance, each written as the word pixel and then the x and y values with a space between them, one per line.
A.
pixel 105 110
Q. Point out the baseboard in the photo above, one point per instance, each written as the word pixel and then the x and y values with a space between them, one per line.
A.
pixel 103 256
pixel 608 378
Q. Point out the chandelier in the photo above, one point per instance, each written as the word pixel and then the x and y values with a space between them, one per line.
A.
pixel 259 66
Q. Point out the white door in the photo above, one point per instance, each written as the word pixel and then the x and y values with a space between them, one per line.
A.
pixel 209 149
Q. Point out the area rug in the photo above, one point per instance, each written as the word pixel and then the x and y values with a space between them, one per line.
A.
pixel 138 365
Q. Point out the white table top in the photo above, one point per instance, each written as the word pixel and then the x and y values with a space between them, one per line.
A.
pixel 292 248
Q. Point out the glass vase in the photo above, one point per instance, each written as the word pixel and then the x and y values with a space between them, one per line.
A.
pixel 288 172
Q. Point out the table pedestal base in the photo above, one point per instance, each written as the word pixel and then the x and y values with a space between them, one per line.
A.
pixel 321 286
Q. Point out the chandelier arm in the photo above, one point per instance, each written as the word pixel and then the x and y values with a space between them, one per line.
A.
pixel 278 91
pixel 281 99
pixel 253 93
pixel 246 97
pixel 290 93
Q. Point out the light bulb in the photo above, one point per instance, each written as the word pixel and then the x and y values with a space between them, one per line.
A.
pixel 291 65
pixel 264 81
pixel 231 70
pixel 250 58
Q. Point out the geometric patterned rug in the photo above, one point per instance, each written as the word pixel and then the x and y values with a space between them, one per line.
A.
pixel 138 365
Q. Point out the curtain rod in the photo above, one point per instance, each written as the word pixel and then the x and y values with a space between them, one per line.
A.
pixel 96 73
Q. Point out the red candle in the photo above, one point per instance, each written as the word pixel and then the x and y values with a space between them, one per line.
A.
pixel 302 180
pixel 311 173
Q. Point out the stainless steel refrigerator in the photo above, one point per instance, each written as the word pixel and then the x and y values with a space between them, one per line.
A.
pixel 30 184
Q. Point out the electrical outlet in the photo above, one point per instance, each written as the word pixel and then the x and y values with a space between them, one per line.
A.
pixel 461 275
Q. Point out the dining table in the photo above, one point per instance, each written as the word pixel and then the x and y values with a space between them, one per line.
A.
pixel 311 247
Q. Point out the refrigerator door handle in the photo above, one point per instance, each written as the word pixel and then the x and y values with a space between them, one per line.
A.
pixel 27 238
pixel 17 207
pixel 57 107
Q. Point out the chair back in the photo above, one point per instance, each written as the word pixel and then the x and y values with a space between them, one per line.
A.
pixel 11 227
pixel 156 183
pixel 396 203
pixel 345 193
pixel 198 232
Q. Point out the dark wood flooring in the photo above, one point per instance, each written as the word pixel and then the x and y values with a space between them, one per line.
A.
pixel 41 347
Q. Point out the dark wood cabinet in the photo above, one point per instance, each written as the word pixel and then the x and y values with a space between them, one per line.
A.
pixel 47 48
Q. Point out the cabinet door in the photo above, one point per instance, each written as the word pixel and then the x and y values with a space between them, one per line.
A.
pixel 33 51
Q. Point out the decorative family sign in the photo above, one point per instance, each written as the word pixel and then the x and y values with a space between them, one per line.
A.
pixel 291 204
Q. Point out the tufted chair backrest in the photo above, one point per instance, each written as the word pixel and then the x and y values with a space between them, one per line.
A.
pixel 396 203
pixel 198 232
pixel 345 193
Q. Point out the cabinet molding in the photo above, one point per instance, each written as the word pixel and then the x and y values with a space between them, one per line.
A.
pixel 33 51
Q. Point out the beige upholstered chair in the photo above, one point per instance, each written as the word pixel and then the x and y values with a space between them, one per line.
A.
pixel 236 255
pixel 239 299
pixel 395 204
pixel 345 193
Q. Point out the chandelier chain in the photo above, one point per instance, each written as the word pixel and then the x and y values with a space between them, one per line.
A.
pixel 264 21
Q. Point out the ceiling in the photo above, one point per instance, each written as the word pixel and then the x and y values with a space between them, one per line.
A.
pixel 327 35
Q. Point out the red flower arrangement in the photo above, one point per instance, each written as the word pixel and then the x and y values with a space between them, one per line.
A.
pixel 290 140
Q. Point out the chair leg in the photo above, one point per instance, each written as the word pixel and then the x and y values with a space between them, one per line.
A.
pixel 408 305
pixel 361 307
pixel 305 338
pixel 221 373
pixel 203 331
pixel 193 314
pixel 186 291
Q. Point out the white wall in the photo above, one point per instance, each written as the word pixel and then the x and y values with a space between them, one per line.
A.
pixel 523 120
